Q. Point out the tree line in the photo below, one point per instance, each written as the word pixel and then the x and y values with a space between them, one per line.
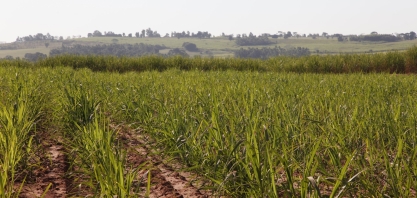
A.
pixel 187 34
pixel 252 40
pixel 118 50
pixel 375 37
pixel 241 39
pixel 112 49
pixel 265 53
pixel 39 37
pixel 151 33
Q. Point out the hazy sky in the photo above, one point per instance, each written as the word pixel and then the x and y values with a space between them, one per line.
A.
pixel 79 17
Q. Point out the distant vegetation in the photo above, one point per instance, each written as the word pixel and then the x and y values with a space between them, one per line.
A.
pixel 375 37
pixel 177 52
pixel 265 53
pixel 225 45
pixel 35 56
pixel 199 34
pixel 252 40
pixel 190 47
pixel 112 49
pixel 152 34
pixel 39 37
pixel 241 39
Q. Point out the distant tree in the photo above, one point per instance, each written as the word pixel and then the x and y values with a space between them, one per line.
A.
pixel 137 34
pixel 8 57
pixel 35 56
pixel 129 35
pixel 90 35
pixel 46 45
pixel 247 41
pixel 177 52
pixel 124 34
pixel 374 33
pixel 238 36
pixel 39 36
pixel 251 35
pixel 190 47
pixel 166 35
pixel 340 38
pixel 156 34
pixel 48 36
pixel 231 37
pixel 199 35
pixel 379 37
pixel 97 33
pixel 61 38
pixel 275 36
pixel 143 33
pixel 149 32
pixel 413 35
pixel 324 34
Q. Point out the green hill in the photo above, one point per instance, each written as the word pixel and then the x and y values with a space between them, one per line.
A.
pixel 217 46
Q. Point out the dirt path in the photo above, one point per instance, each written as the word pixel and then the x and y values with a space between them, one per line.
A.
pixel 49 175
pixel 166 181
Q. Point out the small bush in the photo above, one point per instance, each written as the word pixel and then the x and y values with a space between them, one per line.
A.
pixel 191 47
pixel 35 56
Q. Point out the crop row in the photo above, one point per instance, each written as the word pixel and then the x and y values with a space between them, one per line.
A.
pixel 20 111
pixel 30 102
pixel 389 62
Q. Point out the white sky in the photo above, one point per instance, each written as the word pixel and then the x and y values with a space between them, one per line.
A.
pixel 79 17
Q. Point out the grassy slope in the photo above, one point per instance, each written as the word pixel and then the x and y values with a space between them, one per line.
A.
pixel 221 46
pixel 28 47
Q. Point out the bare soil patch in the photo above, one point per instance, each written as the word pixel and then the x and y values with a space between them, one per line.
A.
pixel 48 175
pixel 52 176
pixel 167 180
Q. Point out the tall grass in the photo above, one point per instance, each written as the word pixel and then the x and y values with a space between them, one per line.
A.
pixel 97 153
pixel 252 134
pixel 263 134
pixel 19 112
